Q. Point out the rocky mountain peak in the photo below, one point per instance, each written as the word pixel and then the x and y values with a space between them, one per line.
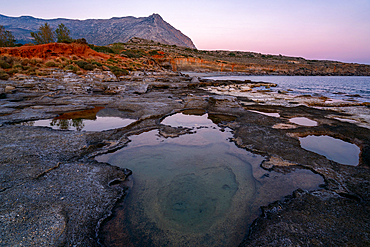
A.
pixel 102 32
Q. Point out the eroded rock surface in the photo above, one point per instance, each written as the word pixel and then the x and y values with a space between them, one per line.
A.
pixel 52 192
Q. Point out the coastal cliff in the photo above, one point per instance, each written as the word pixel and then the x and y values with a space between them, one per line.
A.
pixel 204 65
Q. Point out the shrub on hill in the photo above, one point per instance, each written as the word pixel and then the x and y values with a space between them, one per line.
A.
pixel 103 49
pixel 85 65
pixel 117 71
pixel 133 53
pixel 6 38
pixel 3 75
pixel 4 64
pixel 51 64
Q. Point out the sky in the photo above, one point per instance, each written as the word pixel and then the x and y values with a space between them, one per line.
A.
pixel 314 29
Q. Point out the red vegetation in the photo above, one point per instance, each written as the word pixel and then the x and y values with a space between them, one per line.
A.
pixel 53 50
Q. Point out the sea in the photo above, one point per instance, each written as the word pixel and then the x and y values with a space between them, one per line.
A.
pixel 335 87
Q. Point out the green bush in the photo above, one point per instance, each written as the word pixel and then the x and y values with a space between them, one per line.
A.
pixel 97 64
pixel 103 49
pixel 13 71
pixel 71 67
pixel 89 66
pixel 133 53
pixel 51 64
pixel 85 65
pixel 4 65
pixel 153 53
pixel 231 54
pixel 4 75
pixel 112 61
pixel 117 71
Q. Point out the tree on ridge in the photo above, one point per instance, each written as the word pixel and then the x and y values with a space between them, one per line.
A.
pixel 63 34
pixel 6 38
pixel 44 36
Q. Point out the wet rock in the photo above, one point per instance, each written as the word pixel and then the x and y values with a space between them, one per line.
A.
pixel 329 220
pixel 46 200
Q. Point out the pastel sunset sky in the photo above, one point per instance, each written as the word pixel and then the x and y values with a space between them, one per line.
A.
pixel 313 29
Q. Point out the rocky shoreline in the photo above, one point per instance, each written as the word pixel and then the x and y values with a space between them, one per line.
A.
pixel 53 192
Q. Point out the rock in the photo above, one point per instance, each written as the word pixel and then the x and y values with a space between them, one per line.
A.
pixel 97 90
pixel 194 79
pixel 2 93
pixel 139 88
pixel 9 89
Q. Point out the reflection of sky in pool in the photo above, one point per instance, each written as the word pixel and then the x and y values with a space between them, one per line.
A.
pixel 196 189
pixel 303 121
pixel 332 148
pixel 270 114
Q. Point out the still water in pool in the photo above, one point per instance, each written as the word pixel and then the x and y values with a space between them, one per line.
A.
pixel 96 119
pixel 197 189
pixel 332 148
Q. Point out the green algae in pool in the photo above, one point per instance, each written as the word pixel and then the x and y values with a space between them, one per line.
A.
pixel 334 149
pixel 97 119
pixel 198 189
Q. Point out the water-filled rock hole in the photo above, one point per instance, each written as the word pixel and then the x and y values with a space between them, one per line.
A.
pixel 96 119
pixel 332 148
pixel 198 189
pixel 303 121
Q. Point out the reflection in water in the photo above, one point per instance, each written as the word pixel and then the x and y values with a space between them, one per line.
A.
pixel 97 119
pixel 346 120
pixel 332 148
pixel 65 124
pixel 303 121
pixel 194 190
pixel 270 114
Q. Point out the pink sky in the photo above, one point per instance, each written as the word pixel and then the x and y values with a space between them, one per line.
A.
pixel 330 29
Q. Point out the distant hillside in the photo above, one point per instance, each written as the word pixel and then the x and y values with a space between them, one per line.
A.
pixel 102 31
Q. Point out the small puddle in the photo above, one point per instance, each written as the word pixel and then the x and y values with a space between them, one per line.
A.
pixel 97 119
pixel 346 120
pixel 197 189
pixel 303 121
pixel 334 149
pixel 270 114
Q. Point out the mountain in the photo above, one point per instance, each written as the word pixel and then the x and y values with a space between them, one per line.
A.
pixel 102 31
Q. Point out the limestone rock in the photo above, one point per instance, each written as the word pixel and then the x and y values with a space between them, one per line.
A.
pixel 195 79
pixel 9 89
